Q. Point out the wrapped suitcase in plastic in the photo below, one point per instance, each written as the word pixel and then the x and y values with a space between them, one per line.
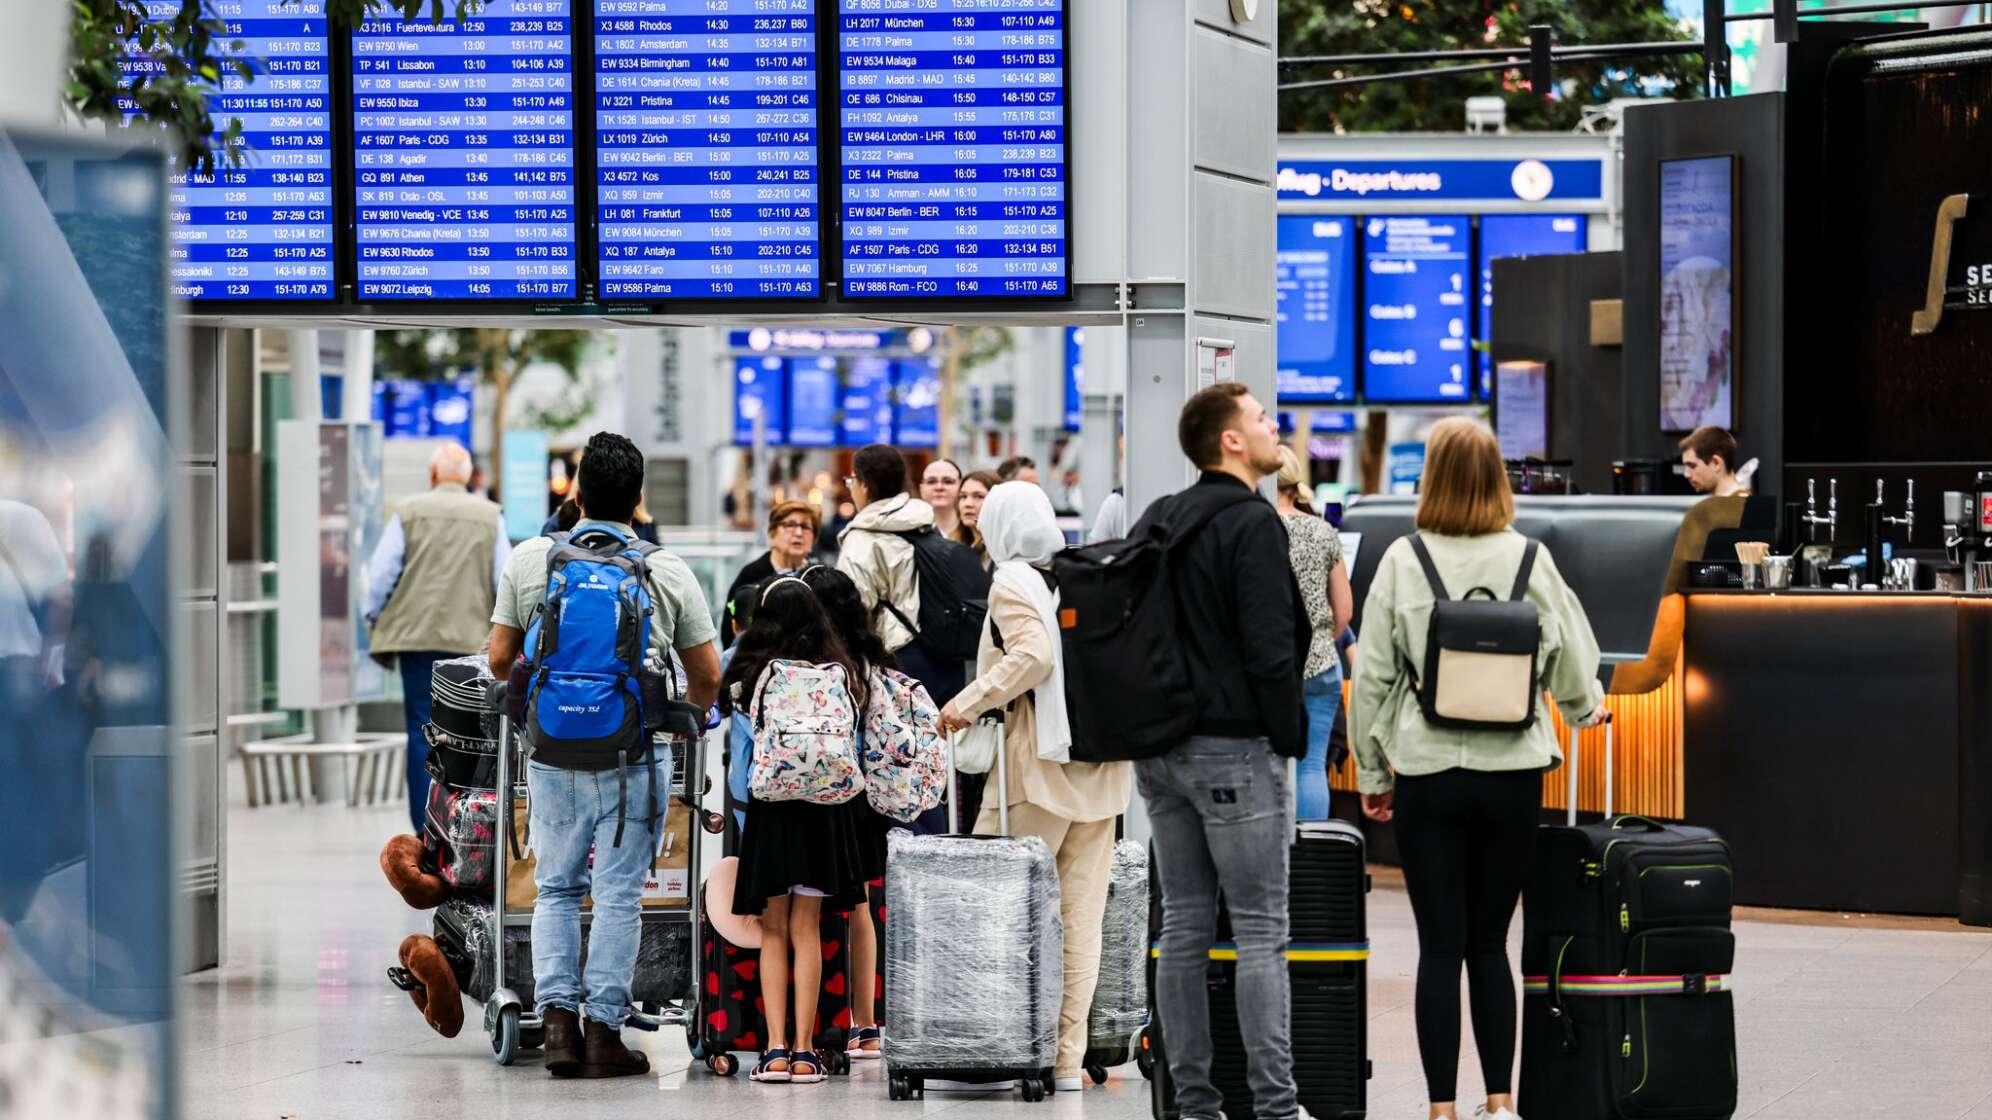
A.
pixel 973 964
pixel 461 701
pixel 734 1016
pixel 462 833
pixel 1328 966
pixel 1120 1002
pixel 1626 955
pixel 463 928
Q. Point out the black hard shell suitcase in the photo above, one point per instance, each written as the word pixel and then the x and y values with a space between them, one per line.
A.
pixel 1328 966
pixel 1626 954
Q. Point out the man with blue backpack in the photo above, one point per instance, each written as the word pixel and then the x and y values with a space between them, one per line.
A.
pixel 569 632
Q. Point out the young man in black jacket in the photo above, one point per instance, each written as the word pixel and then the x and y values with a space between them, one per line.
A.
pixel 1221 804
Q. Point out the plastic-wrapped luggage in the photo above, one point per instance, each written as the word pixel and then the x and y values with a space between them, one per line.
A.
pixel 460 695
pixel 462 830
pixel 1120 1002
pixel 463 929
pixel 973 964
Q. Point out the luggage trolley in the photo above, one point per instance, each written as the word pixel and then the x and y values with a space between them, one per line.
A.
pixel 513 1025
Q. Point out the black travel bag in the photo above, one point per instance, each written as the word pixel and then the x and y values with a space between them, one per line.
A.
pixel 954 596
pixel 1328 966
pixel 1626 954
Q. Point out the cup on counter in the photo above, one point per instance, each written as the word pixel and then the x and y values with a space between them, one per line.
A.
pixel 1753 576
pixel 1777 573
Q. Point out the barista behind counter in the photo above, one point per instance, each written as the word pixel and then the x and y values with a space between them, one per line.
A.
pixel 1708 458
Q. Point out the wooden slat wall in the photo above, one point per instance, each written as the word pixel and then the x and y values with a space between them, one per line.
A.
pixel 1646 757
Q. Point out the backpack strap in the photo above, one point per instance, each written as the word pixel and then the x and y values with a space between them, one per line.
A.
pixel 1522 577
pixel 1432 570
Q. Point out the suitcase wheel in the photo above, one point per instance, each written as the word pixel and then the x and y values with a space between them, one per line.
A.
pixel 723 1064
pixel 839 1063
pixel 1033 1089
pixel 1144 1056
pixel 898 1088
pixel 1098 1074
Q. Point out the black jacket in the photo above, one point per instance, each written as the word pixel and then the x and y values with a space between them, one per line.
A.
pixel 1245 630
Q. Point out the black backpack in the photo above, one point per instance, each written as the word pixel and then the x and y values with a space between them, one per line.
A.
pixel 954 596
pixel 1482 655
pixel 1127 683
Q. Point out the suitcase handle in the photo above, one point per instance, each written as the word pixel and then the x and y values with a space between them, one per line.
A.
pixel 1002 788
pixel 1651 824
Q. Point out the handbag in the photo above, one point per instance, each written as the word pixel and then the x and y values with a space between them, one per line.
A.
pixel 976 745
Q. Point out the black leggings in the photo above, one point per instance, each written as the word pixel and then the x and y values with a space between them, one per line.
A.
pixel 1466 838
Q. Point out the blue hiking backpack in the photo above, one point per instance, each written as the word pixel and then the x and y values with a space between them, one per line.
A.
pixel 585 698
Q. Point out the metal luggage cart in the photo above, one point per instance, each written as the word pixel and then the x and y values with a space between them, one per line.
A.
pixel 511 1024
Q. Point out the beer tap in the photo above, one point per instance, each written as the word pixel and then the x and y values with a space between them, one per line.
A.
pixel 1908 518
pixel 1832 518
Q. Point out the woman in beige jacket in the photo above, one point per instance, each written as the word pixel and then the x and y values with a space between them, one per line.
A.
pixel 1071 806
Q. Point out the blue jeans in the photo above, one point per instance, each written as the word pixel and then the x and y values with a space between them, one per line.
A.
pixel 417 699
pixel 573 814
pixel 1221 815
pixel 1323 697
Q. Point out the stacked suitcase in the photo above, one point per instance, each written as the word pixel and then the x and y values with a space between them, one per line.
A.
pixel 973 964
pixel 1626 953
pixel 1327 963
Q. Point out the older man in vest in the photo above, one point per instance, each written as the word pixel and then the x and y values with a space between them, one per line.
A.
pixel 430 588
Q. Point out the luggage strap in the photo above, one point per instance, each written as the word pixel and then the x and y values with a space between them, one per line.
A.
pixel 1308 951
pixel 1692 984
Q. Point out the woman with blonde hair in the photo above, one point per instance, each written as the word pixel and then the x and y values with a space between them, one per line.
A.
pixel 1466 802
pixel 1316 550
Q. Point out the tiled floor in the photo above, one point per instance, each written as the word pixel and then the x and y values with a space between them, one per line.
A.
pixel 1836 1016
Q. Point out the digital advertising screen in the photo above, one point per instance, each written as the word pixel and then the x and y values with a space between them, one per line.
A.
pixel 813 402
pixel 1519 235
pixel 952 126
pixel 1415 308
pixel 867 402
pixel 463 160
pixel 1697 293
pixel 260 228
pixel 706 149
pixel 1315 346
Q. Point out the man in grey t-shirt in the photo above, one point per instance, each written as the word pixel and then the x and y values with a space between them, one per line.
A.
pixel 575 812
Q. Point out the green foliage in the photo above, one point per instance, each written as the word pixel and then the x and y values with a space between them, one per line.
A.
pixel 188 53
pixel 1330 27
pixel 428 355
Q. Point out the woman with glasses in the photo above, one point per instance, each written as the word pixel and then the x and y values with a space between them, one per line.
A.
pixel 940 484
pixel 792 530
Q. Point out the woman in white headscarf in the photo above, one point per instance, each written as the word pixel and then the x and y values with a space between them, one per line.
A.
pixel 1070 805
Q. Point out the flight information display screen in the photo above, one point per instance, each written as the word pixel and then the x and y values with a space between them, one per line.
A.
pixel 261 228
pixel 952 119
pixel 463 157
pixel 706 149
pixel 1315 347
pixel 1415 308
pixel 1519 235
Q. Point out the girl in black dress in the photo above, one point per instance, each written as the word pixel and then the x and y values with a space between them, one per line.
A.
pixel 796 857
pixel 846 610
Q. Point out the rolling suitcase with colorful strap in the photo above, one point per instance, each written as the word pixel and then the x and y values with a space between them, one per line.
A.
pixel 1626 955
pixel 1328 964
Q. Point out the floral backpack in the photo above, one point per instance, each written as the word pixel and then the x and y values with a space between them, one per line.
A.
pixel 805 735
pixel 905 758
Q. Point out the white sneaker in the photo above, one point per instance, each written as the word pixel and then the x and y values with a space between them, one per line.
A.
pixel 1068 1084
pixel 1481 1113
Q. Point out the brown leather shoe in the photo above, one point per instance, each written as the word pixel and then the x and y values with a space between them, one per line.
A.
pixel 563 1042
pixel 605 1054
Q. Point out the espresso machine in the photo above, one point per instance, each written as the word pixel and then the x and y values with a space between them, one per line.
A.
pixel 1968 531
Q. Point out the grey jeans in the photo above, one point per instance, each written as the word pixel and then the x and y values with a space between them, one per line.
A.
pixel 1222 815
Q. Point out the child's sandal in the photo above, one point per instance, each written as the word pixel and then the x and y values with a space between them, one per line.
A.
pixel 864 1044
pixel 806 1068
pixel 766 1072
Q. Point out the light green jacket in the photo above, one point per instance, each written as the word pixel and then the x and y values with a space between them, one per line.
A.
pixel 1387 729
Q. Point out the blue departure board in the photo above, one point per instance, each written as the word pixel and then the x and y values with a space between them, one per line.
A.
pixel 953 134
pixel 706 131
pixel 463 157
pixel 1315 348
pixel 867 402
pixel 1519 235
pixel 760 388
pixel 261 228
pixel 1415 308
pixel 812 411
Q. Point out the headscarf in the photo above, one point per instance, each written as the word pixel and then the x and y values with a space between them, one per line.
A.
pixel 1022 534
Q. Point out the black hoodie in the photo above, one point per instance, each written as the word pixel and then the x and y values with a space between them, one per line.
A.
pixel 1245 630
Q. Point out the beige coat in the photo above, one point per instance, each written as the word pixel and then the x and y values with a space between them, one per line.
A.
pixel 1079 792
pixel 881 564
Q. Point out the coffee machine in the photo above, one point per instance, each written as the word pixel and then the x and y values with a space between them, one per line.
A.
pixel 1968 531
